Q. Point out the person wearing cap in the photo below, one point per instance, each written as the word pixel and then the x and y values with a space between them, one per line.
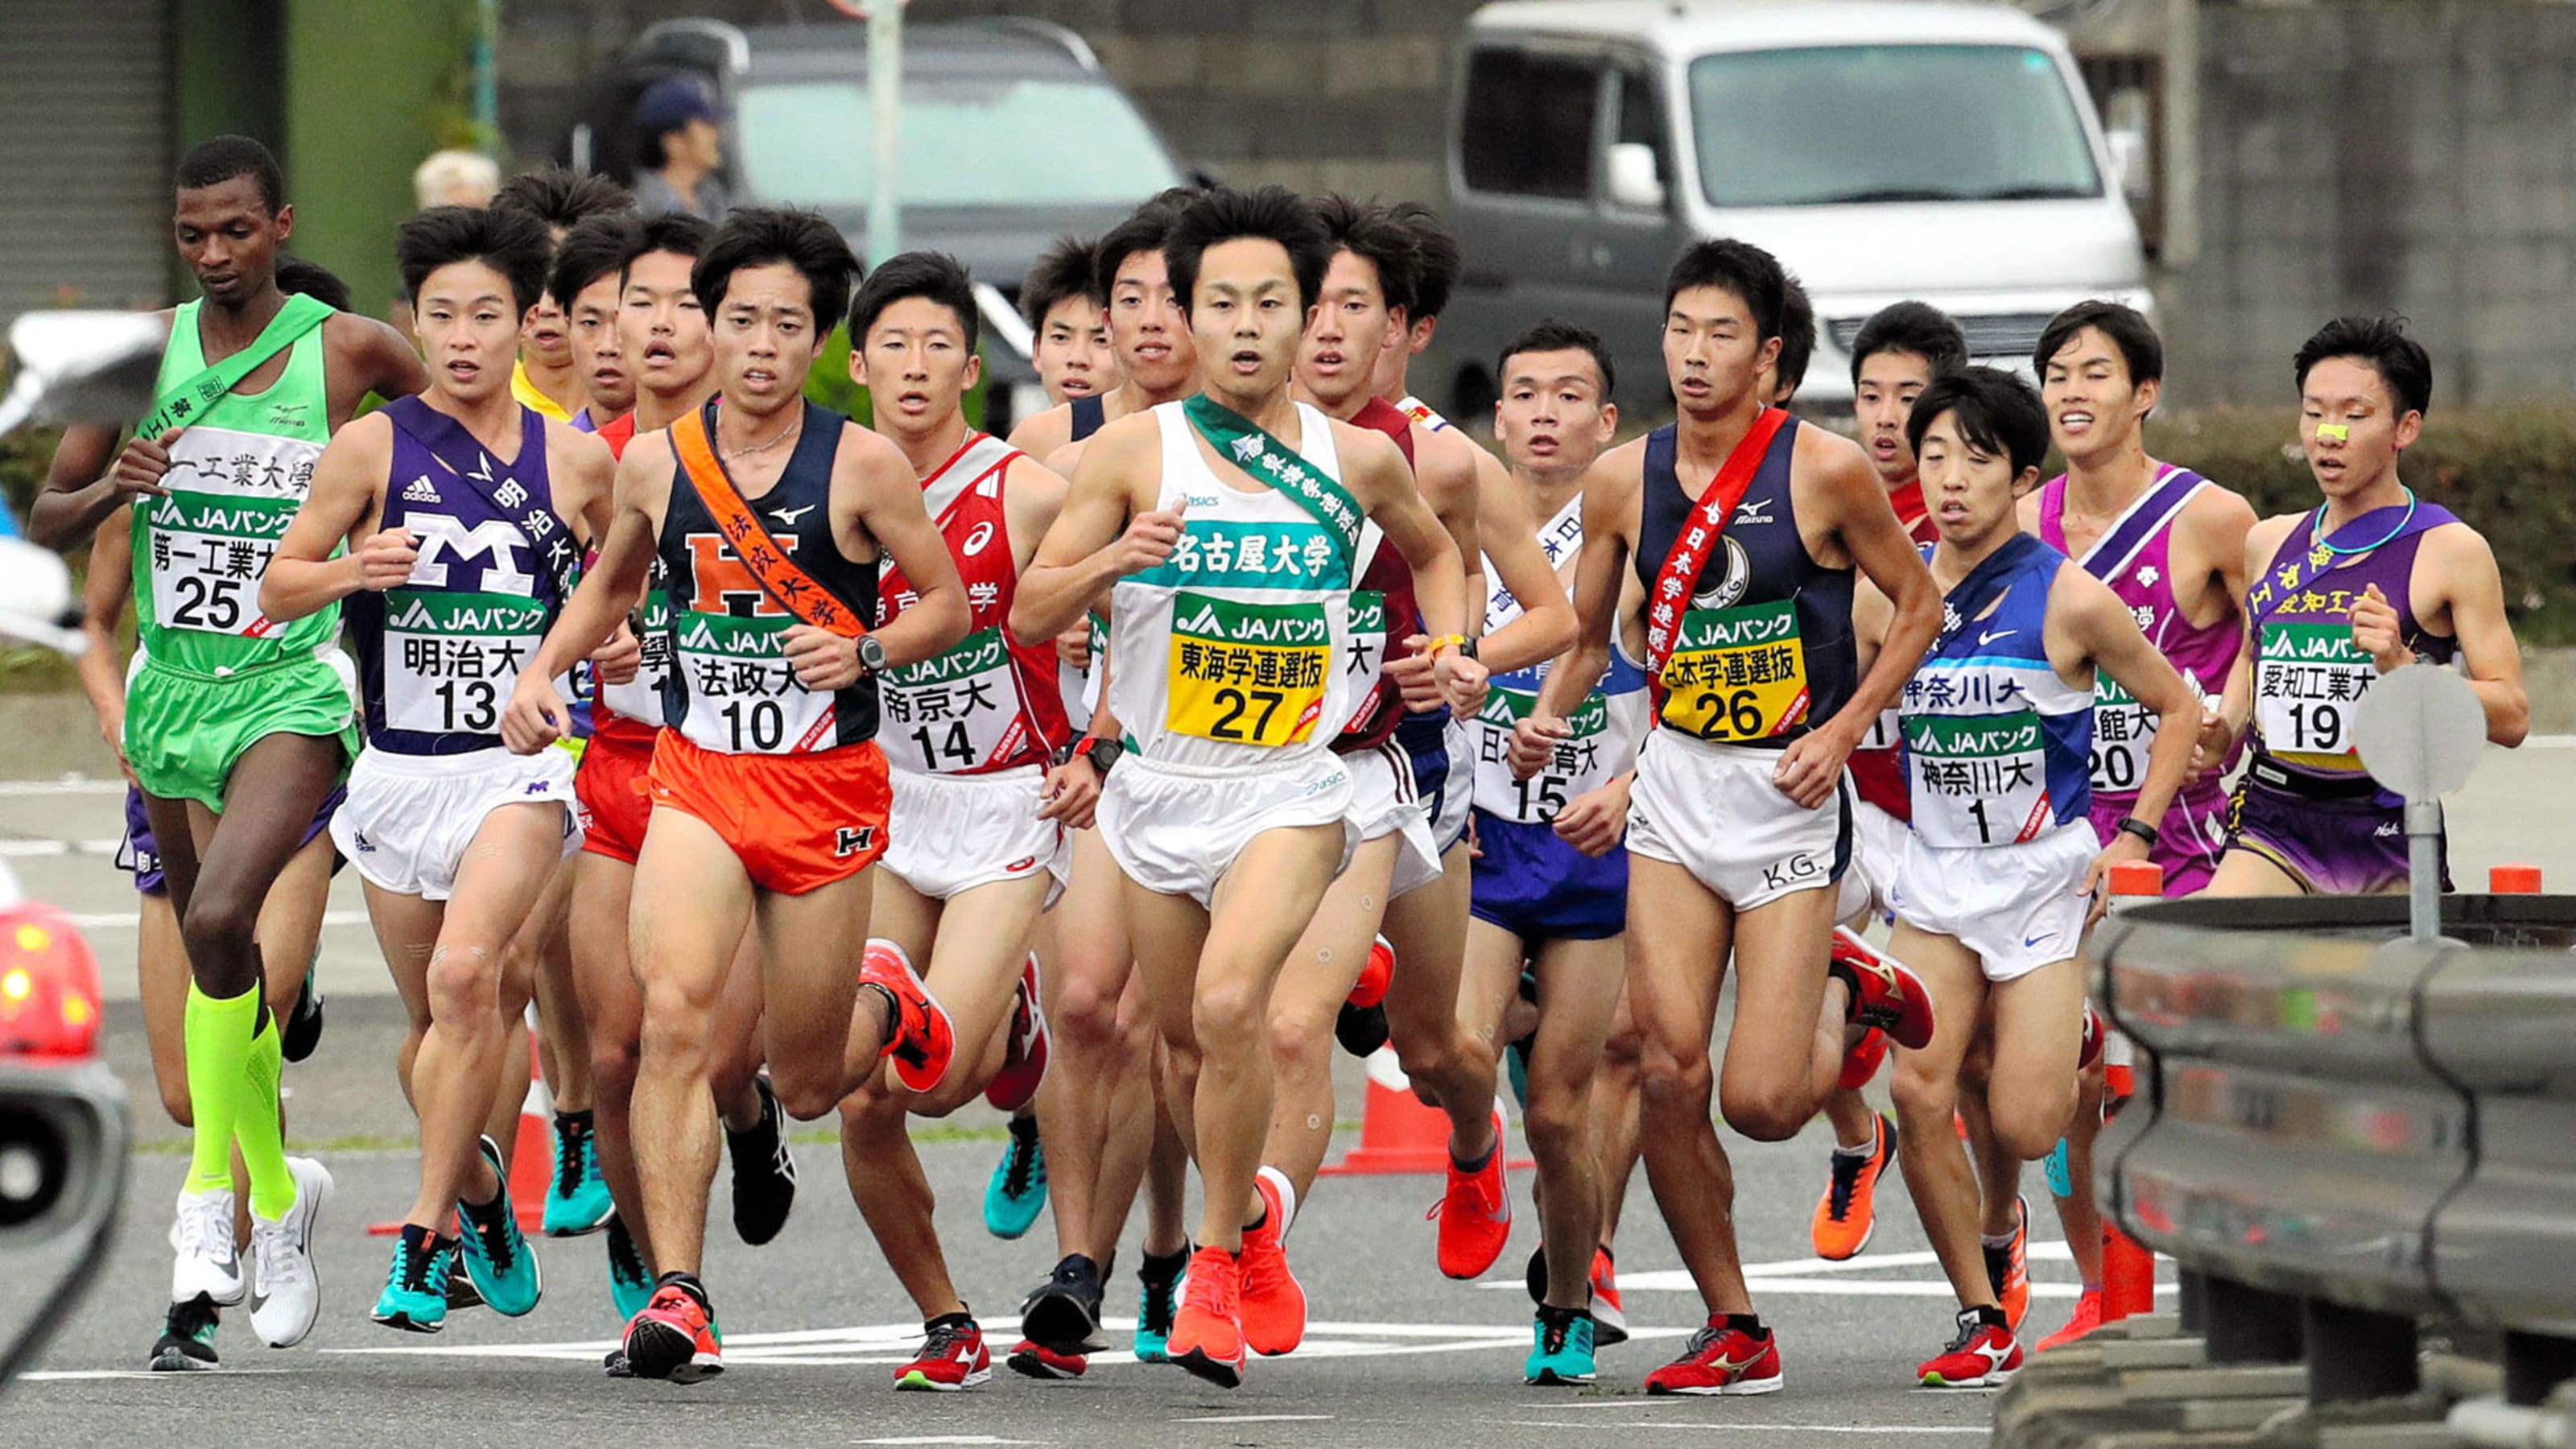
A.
pixel 676 126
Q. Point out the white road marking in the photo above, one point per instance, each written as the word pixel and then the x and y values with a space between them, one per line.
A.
pixel 125 920
pixel 1259 1419
pixel 952 1439
pixel 65 785
pixel 38 849
pixel 1693 1427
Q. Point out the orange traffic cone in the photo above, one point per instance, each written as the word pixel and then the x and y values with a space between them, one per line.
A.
pixel 2128 1266
pixel 1397 1132
pixel 2513 880
pixel 532 1155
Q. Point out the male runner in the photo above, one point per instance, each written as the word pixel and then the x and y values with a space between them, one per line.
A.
pixel 1551 876
pixel 1738 825
pixel 2370 580
pixel 583 285
pixel 225 708
pixel 663 330
pixel 1228 673
pixel 2171 544
pixel 769 515
pixel 1895 355
pixel 2003 867
pixel 453 522
pixel 548 375
pixel 984 783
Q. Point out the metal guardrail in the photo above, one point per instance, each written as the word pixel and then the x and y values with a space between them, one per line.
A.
pixel 64 1142
pixel 2339 1131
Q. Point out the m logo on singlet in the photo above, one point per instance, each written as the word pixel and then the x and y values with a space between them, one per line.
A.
pixel 850 840
pixel 717 577
pixel 497 539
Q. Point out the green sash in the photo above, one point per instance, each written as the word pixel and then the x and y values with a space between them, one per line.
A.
pixel 1255 451
pixel 300 315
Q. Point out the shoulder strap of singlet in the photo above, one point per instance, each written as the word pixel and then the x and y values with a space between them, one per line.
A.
pixel 980 457
pixel 1969 599
pixel 2138 525
pixel 787 585
pixel 300 315
pixel 2292 568
pixel 1088 414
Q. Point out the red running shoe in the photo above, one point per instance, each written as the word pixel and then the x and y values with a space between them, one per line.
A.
pixel 1370 989
pixel 1475 1214
pixel 1885 994
pixel 2009 1269
pixel 923 1040
pixel 1985 1355
pixel 1274 1304
pixel 1040 1362
pixel 1721 1360
pixel 1862 1062
pixel 2092 1049
pixel 1609 1320
pixel 674 1338
pixel 1207 1334
pixel 952 1357
pixel 2088 1317
pixel 1025 1066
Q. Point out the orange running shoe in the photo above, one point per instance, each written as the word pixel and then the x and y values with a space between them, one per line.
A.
pixel 1846 1215
pixel 1609 1319
pixel 1862 1062
pixel 1883 993
pixel 1475 1214
pixel 2008 1267
pixel 1207 1334
pixel 1274 1305
pixel 923 1041
pixel 1370 989
pixel 2088 1317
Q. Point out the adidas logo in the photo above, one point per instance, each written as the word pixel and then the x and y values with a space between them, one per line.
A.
pixel 422 491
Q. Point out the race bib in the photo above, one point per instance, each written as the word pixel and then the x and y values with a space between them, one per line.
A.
pixel 640 698
pixel 1886 732
pixel 1736 674
pixel 1978 779
pixel 211 537
pixel 1250 674
pixel 2124 735
pixel 451 660
pixel 956 710
pixel 2307 680
pixel 743 695
pixel 1582 762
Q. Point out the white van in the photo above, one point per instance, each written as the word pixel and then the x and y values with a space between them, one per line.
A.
pixel 1882 149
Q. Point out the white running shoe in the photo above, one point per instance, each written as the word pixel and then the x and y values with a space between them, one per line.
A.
pixel 209 1261
pixel 290 1291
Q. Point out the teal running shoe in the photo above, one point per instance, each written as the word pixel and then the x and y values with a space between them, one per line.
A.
pixel 496 1254
pixel 415 1296
pixel 1562 1353
pixel 577 1201
pixel 1017 1192
pixel 630 1283
pixel 1156 1306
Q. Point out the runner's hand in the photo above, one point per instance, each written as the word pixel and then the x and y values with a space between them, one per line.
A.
pixel 2375 630
pixel 1534 743
pixel 822 659
pixel 619 660
pixel 1811 767
pixel 2217 737
pixel 535 717
pixel 141 466
pixel 1073 646
pixel 1595 821
pixel 385 559
pixel 1461 681
pixel 2097 878
pixel 1150 539
pixel 1413 678
pixel 1071 793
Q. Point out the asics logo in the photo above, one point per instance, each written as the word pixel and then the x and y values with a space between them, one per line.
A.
pixel 976 540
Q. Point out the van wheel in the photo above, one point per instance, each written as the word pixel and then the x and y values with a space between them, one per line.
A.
pixel 1472 399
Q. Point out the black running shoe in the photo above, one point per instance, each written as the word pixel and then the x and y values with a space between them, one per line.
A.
pixel 1360 1029
pixel 764 1171
pixel 187 1341
pixel 304 1024
pixel 1063 1314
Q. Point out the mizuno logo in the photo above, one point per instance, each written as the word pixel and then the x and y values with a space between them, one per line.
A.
pixel 422 491
pixel 1756 511
pixel 788 516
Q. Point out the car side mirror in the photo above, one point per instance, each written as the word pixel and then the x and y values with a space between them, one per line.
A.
pixel 1633 179
pixel 83 367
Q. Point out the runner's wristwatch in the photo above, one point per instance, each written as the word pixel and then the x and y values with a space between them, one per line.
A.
pixel 872 655
pixel 1102 752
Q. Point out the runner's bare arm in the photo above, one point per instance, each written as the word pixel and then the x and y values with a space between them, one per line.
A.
pixel 2098 633
pixel 875 490
pixel 2213 528
pixel 1106 530
pixel 536 716
pixel 368 356
pixel 1375 474
pixel 104 595
pixel 1871 614
pixel 303 577
pixel 584 475
pixel 2472 593
pixel 81 488
pixel 1545 628
pixel 1613 494
pixel 1032 495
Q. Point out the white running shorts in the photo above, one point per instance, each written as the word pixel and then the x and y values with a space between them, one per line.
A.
pixel 1713 811
pixel 2019 907
pixel 951 833
pixel 409 818
pixel 1177 831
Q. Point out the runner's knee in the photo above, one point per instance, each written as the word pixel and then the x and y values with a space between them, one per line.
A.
pixel 1300 1046
pixel 222 934
pixel 1924 1101
pixel 463 981
pixel 1557 1121
pixel 1230 1016
pixel 1675 1081
pixel 1768 1112
pixel 1086 1014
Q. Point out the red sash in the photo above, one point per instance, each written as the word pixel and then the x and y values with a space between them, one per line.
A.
pixel 1691 546
pixel 770 566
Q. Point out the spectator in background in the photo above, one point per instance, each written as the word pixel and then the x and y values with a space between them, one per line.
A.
pixel 676 123
pixel 456 178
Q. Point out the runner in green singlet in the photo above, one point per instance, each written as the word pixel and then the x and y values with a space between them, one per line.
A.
pixel 221 706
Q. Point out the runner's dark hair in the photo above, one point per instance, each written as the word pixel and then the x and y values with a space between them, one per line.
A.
pixel 1916 327
pixel 1272 213
pixel 296 276
pixel 1441 261
pixel 2128 328
pixel 512 243
pixel 560 197
pixel 1998 412
pixel 1065 269
pixel 755 236
pixel 1551 334
pixel 1748 271
pixel 1370 232
pixel 934 276
pixel 1797 333
pixel 676 232
pixel 219 159
pixel 1146 229
pixel 594 248
pixel 2399 359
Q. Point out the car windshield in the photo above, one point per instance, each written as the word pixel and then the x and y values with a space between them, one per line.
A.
pixel 1861 123
pixel 962 143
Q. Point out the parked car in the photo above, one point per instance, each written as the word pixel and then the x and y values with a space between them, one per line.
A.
pixel 1012 135
pixel 1930 149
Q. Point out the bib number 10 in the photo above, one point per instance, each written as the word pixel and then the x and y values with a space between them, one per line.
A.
pixel 757 726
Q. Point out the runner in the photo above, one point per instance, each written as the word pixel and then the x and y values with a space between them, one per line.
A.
pixel 1738 824
pixel 224 707
pixel 769 792
pixel 2003 869
pixel 664 330
pixel 1551 876
pixel 1231 819
pixel 583 285
pixel 548 376
pixel 2368 581
pixel 1147 331
pixel 2171 544
pixel 1895 355
pixel 985 784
